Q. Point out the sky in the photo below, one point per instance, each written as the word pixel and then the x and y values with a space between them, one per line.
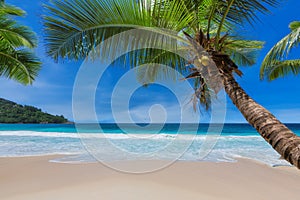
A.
pixel 53 89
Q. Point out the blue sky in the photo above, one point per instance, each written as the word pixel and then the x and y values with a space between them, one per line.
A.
pixel 52 90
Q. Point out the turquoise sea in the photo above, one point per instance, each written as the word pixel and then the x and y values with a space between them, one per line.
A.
pixel 235 141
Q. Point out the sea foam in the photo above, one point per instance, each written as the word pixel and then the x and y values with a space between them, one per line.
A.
pixel 228 147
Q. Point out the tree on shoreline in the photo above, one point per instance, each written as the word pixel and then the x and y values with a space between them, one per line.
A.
pixel 275 64
pixel 74 27
pixel 11 112
pixel 17 61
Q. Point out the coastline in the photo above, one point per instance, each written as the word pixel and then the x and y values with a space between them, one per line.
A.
pixel 37 178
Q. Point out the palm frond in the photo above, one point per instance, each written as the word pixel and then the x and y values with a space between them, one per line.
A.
pixel 238 12
pixel 6 9
pixel 284 68
pixel 20 65
pixel 149 73
pixel 202 95
pixel 16 61
pixel 17 35
pixel 280 51
pixel 217 18
pixel 248 10
pixel 294 25
pixel 72 30
pixel 243 52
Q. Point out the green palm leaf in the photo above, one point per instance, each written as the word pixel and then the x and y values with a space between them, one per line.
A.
pixel 243 52
pixel 284 68
pixel 72 30
pixel 16 35
pixel 275 57
pixel 16 61
pixel 10 10
pixel 20 65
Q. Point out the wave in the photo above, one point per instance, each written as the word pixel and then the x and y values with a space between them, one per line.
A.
pixel 215 156
pixel 125 136
pixel 227 149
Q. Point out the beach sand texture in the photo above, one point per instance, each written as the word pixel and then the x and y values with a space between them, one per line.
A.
pixel 37 178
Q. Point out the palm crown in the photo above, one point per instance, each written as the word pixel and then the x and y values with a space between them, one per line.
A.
pixel 73 29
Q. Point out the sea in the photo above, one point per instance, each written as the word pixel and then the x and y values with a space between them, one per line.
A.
pixel 86 143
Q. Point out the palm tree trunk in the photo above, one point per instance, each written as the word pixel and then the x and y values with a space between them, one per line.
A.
pixel 282 139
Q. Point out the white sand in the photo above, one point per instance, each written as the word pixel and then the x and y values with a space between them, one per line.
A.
pixel 36 178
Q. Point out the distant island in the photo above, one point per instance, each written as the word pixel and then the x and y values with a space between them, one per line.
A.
pixel 11 112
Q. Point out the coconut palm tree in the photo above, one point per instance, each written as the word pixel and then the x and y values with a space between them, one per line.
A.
pixel 17 62
pixel 73 28
pixel 275 64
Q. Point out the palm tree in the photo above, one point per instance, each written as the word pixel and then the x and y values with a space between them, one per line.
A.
pixel 74 27
pixel 275 64
pixel 17 62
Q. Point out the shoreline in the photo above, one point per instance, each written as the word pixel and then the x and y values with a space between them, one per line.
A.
pixel 53 157
pixel 37 178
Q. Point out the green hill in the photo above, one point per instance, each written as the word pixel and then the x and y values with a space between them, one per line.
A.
pixel 11 112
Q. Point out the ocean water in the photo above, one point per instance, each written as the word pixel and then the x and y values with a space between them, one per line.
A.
pixel 161 142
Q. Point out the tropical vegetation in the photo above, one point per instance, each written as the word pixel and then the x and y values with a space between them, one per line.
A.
pixel 17 61
pixel 276 63
pixel 11 112
pixel 208 28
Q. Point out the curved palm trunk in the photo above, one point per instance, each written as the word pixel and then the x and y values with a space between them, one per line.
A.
pixel 283 140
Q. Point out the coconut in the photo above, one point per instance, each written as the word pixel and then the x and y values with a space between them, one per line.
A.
pixel 204 60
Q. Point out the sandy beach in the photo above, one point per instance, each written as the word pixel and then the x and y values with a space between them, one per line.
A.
pixel 37 178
